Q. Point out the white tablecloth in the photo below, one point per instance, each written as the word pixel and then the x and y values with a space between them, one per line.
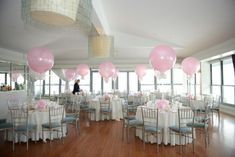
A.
pixel 38 117
pixel 116 105
pixel 165 119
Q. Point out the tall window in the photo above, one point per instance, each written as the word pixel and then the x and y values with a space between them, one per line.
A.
pixel 198 83
pixel 85 83
pixel 96 82
pixel 47 83
pixel 107 86
pixel 164 84
pixel 133 82
pixel 38 87
pixel 2 78
pixel 177 81
pixel 216 78
pixel 228 81
pixel 55 84
pixel 147 82
pixel 122 81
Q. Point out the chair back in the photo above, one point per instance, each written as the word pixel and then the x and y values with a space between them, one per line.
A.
pixel 19 116
pixel 185 100
pixel 208 99
pixel 105 103
pixel 216 102
pixel 137 100
pixel 56 114
pixel 185 116
pixel 149 115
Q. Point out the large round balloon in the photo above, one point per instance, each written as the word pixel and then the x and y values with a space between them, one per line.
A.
pixel 190 65
pixel 140 70
pixel 82 70
pixel 40 59
pixel 69 74
pixel 106 69
pixel 162 58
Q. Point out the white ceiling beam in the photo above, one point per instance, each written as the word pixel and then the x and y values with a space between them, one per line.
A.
pixel 99 18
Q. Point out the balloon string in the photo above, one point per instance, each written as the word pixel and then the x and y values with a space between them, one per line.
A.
pixel 40 89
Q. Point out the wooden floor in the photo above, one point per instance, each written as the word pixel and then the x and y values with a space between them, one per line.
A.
pixel 104 139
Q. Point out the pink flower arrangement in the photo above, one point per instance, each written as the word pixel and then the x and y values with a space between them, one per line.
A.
pixel 162 104
pixel 41 104
pixel 190 96
pixel 106 97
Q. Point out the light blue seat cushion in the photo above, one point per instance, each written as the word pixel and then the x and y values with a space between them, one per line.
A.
pixel 197 125
pixel 152 129
pixel 105 110
pixel 183 130
pixel 135 122
pixel 5 126
pixel 70 119
pixel 53 125
pixel 23 128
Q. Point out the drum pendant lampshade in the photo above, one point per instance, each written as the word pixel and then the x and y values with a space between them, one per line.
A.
pixel 54 12
pixel 101 46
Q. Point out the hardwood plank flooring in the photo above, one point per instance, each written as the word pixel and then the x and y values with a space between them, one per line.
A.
pixel 104 139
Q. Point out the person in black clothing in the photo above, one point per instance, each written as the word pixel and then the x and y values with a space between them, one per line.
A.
pixel 76 87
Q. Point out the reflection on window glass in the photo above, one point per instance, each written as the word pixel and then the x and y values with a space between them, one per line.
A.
pixel 107 86
pixel 96 83
pixel 178 89
pixel 147 82
pixel 216 90
pixel 133 82
pixel 216 73
pixel 55 83
pixel 228 95
pixel 2 79
pixel 178 76
pixel 228 72
pixel 167 80
pixel 38 88
pixel 122 81
pixel 164 84
pixel 177 81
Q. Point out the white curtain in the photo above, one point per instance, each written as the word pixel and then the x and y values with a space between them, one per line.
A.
pixel 60 74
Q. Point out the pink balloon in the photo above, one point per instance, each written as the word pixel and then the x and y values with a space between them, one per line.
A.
pixel 69 74
pixel 83 70
pixel 190 65
pixel 106 69
pixel 15 74
pixel 162 58
pixel 40 59
pixel 140 70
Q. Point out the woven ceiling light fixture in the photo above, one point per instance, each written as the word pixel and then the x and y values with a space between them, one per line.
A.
pixel 101 46
pixel 58 13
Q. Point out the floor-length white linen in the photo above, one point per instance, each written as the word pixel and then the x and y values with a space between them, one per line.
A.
pixel 38 117
pixel 166 119
pixel 116 105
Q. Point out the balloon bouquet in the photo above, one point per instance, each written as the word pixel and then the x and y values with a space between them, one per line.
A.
pixel 107 70
pixel 190 66
pixel 140 70
pixel 162 58
pixel 40 60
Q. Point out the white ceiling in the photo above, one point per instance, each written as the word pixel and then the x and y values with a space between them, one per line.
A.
pixel 189 26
